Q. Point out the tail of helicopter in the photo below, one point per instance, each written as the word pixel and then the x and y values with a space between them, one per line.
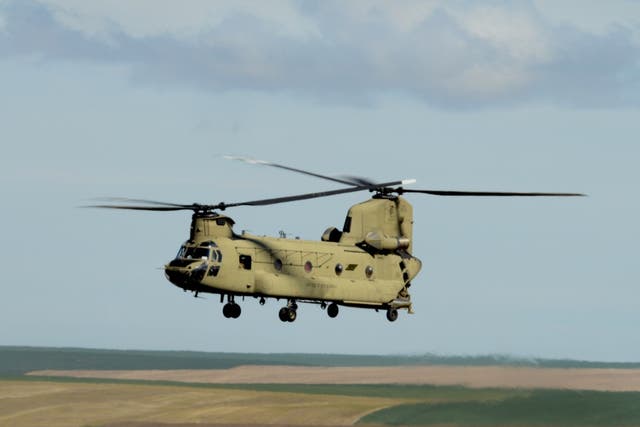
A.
pixel 384 225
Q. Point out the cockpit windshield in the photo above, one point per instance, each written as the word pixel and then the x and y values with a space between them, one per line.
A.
pixel 193 252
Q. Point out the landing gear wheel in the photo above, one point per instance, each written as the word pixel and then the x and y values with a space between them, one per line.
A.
pixel 392 314
pixel 235 310
pixel 333 310
pixel 227 310
pixel 231 310
pixel 287 314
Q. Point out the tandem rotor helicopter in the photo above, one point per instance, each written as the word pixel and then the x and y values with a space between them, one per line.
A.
pixel 368 264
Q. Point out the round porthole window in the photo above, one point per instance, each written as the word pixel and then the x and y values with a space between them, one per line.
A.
pixel 339 269
pixel 277 264
pixel 368 271
pixel 308 266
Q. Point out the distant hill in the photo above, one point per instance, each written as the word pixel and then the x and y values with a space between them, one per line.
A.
pixel 15 361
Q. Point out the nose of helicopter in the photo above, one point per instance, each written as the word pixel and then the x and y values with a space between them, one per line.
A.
pixel 185 276
pixel 176 275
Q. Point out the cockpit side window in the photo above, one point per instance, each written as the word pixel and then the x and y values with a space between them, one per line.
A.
pixel 181 252
pixel 347 225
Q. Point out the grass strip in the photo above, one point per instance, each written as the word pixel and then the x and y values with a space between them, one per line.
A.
pixel 418 392
pixel 539 408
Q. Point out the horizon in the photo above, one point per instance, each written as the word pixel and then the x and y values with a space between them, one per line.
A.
pixel 496 357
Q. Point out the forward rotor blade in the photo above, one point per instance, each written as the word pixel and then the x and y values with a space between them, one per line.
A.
pixel 147 205
pixel 145 201
pixel 141 208
pixel 344 180
pixel 491 193
pixel 169 207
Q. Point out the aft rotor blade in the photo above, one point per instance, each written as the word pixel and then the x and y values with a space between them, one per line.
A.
pixel 344 180
pixel 491 193
pixel 275 200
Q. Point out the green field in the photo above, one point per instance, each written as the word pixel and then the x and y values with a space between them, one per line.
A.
pixel 539 408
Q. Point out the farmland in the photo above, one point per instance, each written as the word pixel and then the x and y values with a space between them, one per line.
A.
pixel 120 389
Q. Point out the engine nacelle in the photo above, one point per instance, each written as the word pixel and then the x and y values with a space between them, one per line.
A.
pixel 381 241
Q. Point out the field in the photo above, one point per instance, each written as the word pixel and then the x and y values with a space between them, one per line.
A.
pixel 25 403
pixel 74 403
pixel 320 390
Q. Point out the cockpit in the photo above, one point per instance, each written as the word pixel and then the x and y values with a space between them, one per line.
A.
pixel 193 263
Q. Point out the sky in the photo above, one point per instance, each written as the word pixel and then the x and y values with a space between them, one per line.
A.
pixel 143 99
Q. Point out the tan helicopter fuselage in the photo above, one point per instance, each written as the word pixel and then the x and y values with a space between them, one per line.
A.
pixel 367 264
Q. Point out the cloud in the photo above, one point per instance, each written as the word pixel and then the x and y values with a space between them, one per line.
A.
pixel 452 54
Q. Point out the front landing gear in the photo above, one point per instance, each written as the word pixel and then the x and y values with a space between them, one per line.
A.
pixel 289 313
pixel 231 310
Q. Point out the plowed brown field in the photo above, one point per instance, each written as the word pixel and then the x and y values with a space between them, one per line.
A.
pixel 59 404
pixel 468 376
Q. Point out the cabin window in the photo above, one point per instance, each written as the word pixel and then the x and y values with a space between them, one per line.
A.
pixel 219 256
pixel 245 261
pixel 308 266
pixel 368 271
pixel 277 264
pixel 339 269
pixel 214 270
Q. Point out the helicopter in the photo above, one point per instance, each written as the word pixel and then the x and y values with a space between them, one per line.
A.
pixel 369 263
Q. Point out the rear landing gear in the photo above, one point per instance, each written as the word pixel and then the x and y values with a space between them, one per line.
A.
pixel 392 314
pixel 288 313
pixel 332 310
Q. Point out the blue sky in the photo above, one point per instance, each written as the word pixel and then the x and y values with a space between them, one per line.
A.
pixel 142 99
